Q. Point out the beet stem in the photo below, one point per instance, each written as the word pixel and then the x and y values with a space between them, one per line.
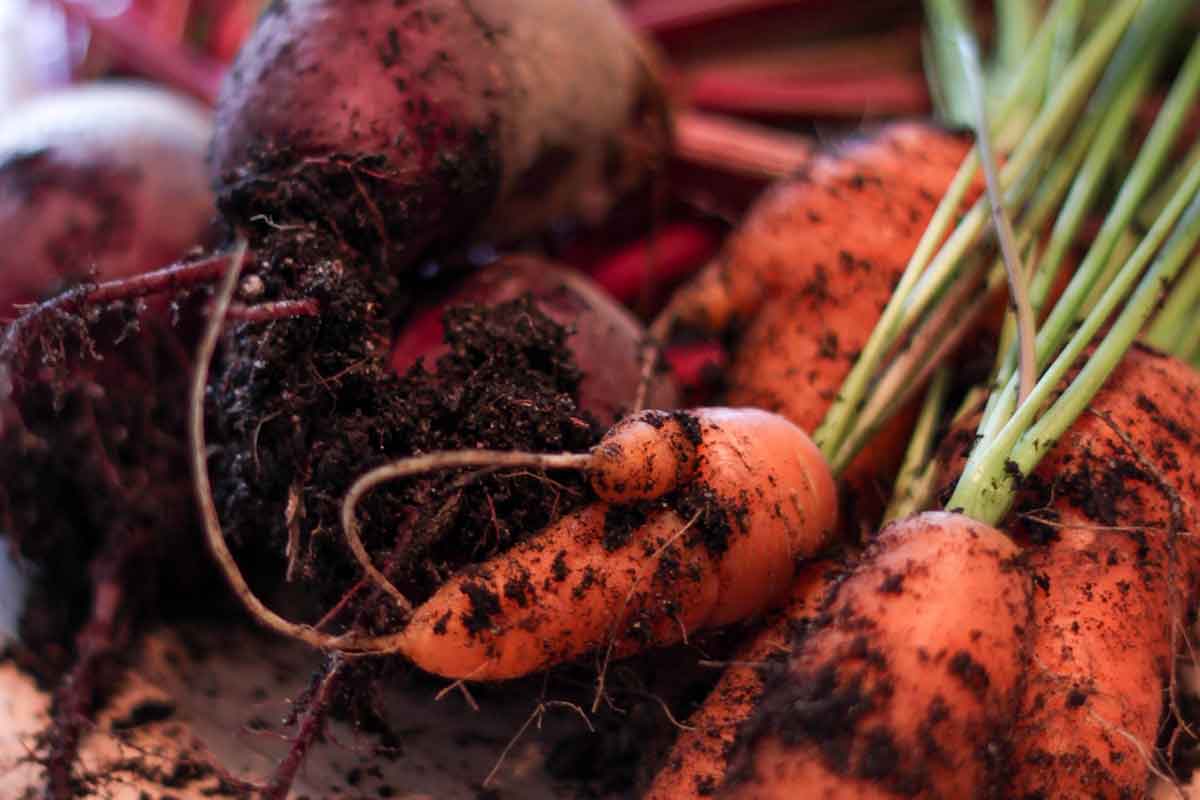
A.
pixel 33 322
pixel 103 636
pixel 311 726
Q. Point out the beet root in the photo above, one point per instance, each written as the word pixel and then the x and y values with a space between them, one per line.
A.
pixel 604 337
pixel 103 181
pixel 402 127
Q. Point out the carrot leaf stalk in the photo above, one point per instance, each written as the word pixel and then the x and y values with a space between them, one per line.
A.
pixel 967 49
pixel 914 482
pixel 1092 270
pixel 987 487
pixel 1170 329
pixel 931 270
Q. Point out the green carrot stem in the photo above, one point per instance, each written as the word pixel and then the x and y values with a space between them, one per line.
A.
pixel 1018 290
pixel 1133 191
pixel 930 344
pixel 1108 115
pixel 902 310
pixel 908 494
pixel 1170 325
pixel 986 490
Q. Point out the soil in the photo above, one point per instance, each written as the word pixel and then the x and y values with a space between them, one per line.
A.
pixel 307 405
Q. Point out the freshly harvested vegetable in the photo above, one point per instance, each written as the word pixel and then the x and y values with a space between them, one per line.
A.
pixel 604 338
pixel 810 269
pixel 1104 521
pixel 986 491
pixel 98 182
pixel 806 318
pixel 699 760
pixel 752 496
pixel 401 127
pixel 910 683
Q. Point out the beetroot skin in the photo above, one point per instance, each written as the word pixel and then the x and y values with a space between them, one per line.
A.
pixel 604 337
pixel 101 181
pixel 404 127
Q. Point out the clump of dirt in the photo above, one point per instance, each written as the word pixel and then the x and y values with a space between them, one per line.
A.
pixel 305 406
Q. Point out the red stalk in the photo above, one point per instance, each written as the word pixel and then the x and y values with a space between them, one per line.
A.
pixel 737 91
pixel 673 252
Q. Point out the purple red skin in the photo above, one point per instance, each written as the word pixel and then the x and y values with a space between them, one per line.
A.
pixel 605 338
pixel 404 158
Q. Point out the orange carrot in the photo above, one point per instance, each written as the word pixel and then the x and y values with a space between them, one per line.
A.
pixel 909 683
pixel 811 268
pixel 723 546
pixel 698 762
pixel 1105 518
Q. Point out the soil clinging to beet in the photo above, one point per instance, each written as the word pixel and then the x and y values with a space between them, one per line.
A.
pixel 308 405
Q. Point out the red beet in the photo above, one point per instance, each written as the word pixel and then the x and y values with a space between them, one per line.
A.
pixel 401 127
pixel 605 340
pixel 102 181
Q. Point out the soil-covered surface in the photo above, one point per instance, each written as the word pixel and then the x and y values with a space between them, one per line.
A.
pixel 304 407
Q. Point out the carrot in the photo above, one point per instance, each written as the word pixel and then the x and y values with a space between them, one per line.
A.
pixel 1103 519
pixel 722 547
pixel 811 268
pixel 909 684
pixel 698 761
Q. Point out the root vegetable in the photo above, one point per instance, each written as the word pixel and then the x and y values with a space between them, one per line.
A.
pixel 700 758
pixel 103 181
pixel 605 338
pixel 909 683
pixel 760 498
pixel 1105 521
pixel 460 117
pixel 810 270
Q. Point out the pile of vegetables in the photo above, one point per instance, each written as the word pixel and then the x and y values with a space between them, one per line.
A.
pixel 481 468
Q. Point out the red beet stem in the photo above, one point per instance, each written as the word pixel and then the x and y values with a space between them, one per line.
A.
pixel 738 91
pixel 311 725
pixel 281 309
pixel 662 17
pixel 33 322
pixel 743 148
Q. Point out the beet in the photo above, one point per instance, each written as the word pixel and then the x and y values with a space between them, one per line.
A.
pixel 102 181
pixel 604 337
pixel 401 127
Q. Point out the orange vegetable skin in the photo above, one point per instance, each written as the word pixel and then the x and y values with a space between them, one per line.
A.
pixel 811 269
pixel 1105 608
pixel 909 683
pixel 761 499
pixel 697 764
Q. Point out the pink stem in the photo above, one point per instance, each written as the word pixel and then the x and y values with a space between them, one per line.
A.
pixel 280 309
pixel 755 151
pixel 736 91
pixel 663 17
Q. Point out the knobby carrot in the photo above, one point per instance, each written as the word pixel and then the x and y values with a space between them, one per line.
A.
pixel 698 762
pixel 750 496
